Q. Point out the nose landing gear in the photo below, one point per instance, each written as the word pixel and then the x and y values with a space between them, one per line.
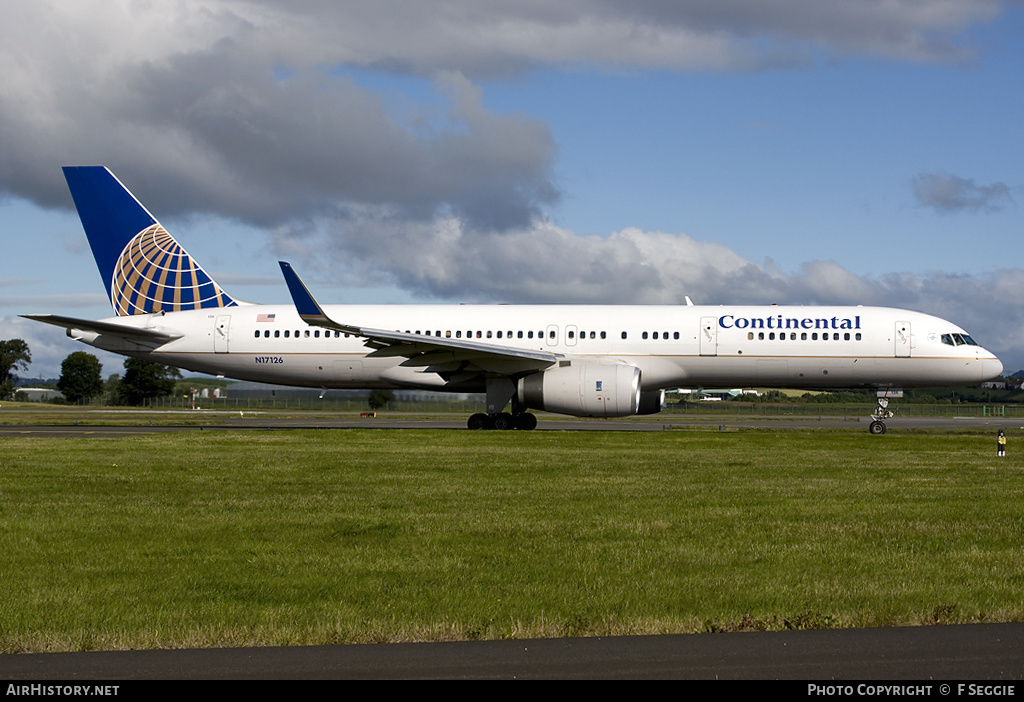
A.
pixel 881 413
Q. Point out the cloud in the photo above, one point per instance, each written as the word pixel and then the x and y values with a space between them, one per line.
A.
pixel 948 193
pixel 245 108
pixel 257 111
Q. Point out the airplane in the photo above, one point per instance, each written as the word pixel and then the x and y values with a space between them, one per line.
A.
pixel 578 360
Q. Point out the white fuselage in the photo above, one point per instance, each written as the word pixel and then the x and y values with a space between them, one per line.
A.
pixel 691 346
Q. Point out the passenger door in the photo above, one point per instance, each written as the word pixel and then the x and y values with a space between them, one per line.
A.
pixel 220 333
pixel 709 336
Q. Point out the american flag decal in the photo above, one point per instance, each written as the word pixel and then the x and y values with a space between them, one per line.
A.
pixel 265 318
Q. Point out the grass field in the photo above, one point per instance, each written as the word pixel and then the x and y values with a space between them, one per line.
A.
pixel 197 539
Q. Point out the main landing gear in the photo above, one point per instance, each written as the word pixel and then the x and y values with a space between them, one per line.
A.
pixel 882 412
pixel 500 391
pixel 503 420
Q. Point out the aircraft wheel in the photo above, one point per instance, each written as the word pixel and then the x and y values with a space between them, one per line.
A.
pixel 478 421
pixel 504 421
pixel 877 427
pixel 526 421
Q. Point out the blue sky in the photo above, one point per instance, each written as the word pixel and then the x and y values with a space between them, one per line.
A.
pixel 802 152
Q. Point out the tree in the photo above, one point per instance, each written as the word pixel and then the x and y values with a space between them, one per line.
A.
pixel 380 398
pixel 14 355
pixel 80 377
pixel 144 380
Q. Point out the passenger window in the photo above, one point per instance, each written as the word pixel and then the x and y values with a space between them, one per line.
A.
pixel 277 333
pixel 529 335
pixel 520 335
pixel 750 336
pixel 257 333
pixel 623 335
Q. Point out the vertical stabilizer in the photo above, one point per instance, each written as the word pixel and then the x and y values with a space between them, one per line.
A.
pixel 144 269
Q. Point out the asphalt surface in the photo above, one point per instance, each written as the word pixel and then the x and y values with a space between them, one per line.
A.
pixel 93 423
pixel 949 653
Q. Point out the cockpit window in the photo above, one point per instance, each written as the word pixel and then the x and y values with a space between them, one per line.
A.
pixel 958 340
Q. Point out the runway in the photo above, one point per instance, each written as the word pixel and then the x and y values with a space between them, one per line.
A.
pixel 949 653
pixel 95 423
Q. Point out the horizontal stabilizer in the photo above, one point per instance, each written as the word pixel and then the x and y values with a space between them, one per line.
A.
pixel 110 328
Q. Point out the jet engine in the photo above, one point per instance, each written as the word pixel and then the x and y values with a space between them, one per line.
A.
pixel 583 389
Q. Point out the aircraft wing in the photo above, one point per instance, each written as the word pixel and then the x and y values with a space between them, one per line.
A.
pixel 432 353
pixel 138 334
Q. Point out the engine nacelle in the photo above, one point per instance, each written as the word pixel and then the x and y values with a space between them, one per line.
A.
pixel 583 389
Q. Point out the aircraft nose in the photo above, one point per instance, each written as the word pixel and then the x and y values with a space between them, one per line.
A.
pixel 991 368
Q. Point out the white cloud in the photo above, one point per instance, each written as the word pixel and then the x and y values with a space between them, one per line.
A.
pixel 950 193
pixel 243 109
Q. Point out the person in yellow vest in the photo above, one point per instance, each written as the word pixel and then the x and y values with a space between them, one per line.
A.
pixel 1001 439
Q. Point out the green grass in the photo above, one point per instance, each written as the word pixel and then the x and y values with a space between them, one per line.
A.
pixel 312 537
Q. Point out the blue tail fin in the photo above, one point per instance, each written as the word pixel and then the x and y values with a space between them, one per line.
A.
pixel 144 268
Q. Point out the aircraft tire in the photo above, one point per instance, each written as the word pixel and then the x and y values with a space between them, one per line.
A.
pixel 525 421
pixel 479 421
pixel 504 421
pixel 876 427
